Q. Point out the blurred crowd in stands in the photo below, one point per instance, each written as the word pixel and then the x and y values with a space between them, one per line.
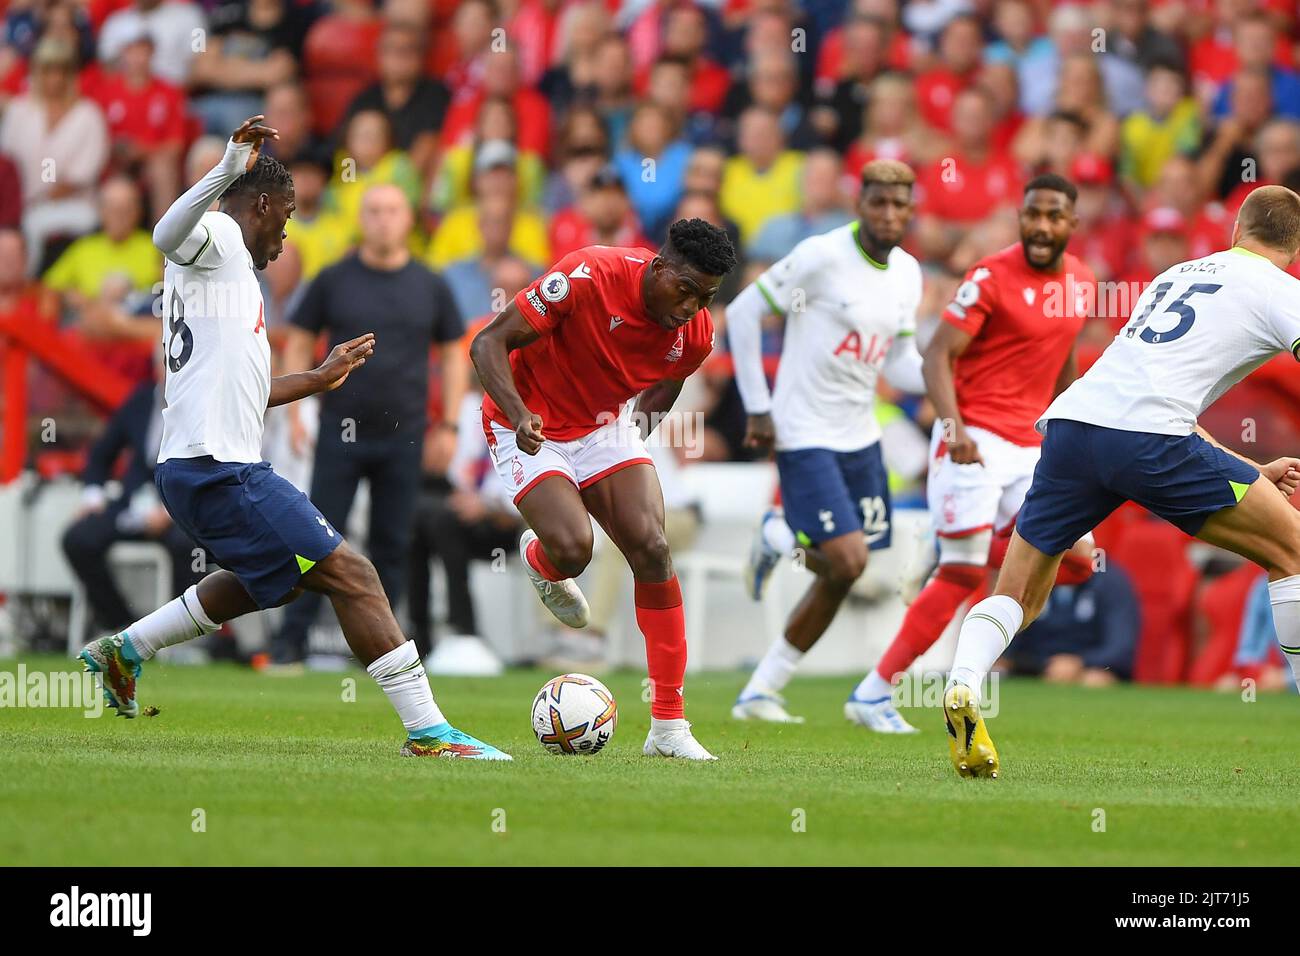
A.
pixel 515 131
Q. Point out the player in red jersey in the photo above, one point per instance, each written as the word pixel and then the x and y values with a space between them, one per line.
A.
pixel 560 366
pixel 1004 350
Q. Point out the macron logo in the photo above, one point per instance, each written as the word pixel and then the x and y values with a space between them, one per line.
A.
pixel 615 321
pixel 103 909
pixel 582 272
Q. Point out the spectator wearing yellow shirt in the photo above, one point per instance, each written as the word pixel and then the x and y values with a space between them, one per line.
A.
pixel 120 249
pixel 1170 124
pixel 453 185
pixel 459 236
pixel 763 180
pixel 368 159
pixel 320 237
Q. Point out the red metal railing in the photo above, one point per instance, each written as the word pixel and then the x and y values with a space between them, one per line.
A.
pixel 26 334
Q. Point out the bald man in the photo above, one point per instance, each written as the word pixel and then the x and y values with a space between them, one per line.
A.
pixel 375 430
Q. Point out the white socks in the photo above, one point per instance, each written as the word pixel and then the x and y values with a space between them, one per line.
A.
pixel 873 687
pixel 179 620
pixel 401 676
pixel 774 670
pixel 777 534
pixel 985 634
pixel 1284 594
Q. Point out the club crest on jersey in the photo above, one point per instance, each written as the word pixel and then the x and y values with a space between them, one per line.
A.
pixel 555 287
pixel 517 472
pixel 675 353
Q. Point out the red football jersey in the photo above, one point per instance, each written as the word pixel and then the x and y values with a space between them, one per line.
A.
pixel 1023 323
pixel 598 348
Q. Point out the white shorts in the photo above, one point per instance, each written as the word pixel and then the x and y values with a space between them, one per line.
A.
pixel 968 500
pixel 584 461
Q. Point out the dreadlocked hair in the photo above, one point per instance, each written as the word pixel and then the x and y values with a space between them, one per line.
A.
pixel 701 245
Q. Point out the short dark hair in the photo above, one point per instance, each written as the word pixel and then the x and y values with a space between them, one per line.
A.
pixel 700 245
pixel 1055 183
pixel 267 176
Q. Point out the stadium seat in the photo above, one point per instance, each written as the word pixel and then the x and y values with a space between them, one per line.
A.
pixel 1221 605
pixel 1155 556
pixel 338 63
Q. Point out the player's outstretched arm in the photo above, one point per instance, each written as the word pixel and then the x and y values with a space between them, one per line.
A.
pixel 329 375
pixel 178 234
pixel 490 353
pixel 948 343
pixel 745 338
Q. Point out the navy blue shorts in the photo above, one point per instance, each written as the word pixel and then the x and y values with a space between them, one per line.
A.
pixel 249 520
pixel 1087 471
pixel 829 493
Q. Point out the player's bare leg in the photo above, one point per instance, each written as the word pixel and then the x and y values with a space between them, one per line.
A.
pixel 202 609
pixel 557 547
pixel 629 505
pixel 1024 583
pixel 1264 528
pixel 835 563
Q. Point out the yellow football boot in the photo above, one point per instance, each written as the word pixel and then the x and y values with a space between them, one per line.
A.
pixel 969 744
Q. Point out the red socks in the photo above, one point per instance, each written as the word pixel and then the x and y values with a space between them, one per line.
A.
pixel 540 562
pixel 659 615
pixel 931 612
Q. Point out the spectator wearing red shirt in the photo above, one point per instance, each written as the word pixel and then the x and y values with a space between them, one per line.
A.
pixel 501 79
pixel 1165 242
pixel 839 51
pixel 1209 225
pixel 471 31
pixel 1002 84
pixel 1216 56
pixel 146 121
pixel 961 46
pixel 1106 233
pixel 844 94
pixel 958 191
pixel 686 34
pixel 1255 42
pixel 531 29
pixel 892 129
pixel 602 216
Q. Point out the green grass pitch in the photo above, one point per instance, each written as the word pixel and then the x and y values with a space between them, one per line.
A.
pixel 286 772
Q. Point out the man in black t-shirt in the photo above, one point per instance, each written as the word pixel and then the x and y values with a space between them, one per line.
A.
pixel 414 103
pixel 375 428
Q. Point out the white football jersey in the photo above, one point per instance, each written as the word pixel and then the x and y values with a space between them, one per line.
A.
pixel 1197 330
pixel 842 312
pixel 218 357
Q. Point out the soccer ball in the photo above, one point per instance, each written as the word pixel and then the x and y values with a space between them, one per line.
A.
pixel 574 714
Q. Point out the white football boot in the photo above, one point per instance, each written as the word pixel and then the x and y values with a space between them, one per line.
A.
pixel 562 598
pixel 878 715
pixel 768 707
pixel 673 738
